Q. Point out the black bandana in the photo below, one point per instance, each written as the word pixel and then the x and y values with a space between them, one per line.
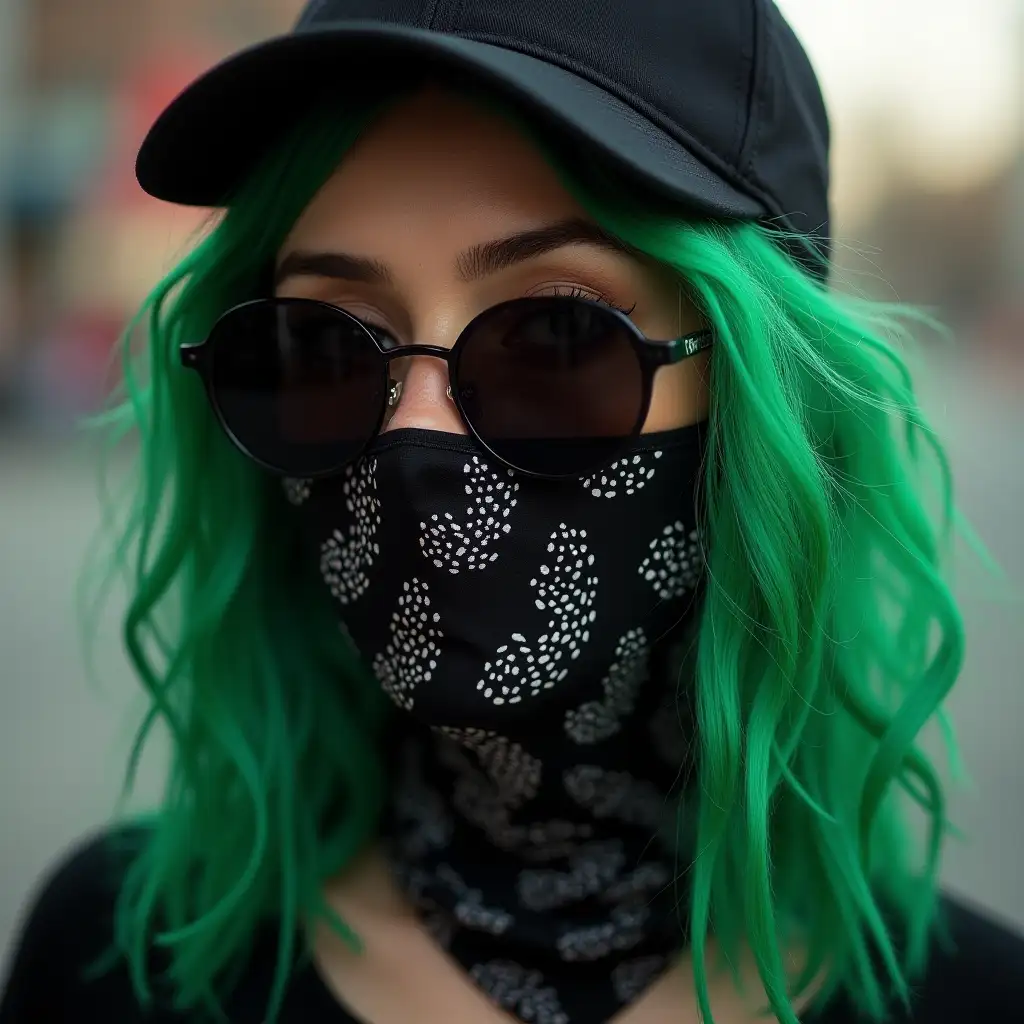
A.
pixel 523 625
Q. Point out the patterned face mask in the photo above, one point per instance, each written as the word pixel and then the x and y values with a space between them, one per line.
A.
pixel 482 597
pixel 519 624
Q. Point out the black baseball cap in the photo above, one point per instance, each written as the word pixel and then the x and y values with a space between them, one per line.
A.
pixel 709 104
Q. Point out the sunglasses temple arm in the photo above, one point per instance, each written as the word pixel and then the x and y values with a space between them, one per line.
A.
pixel 193 356
pixel 665 353
pixel 691 344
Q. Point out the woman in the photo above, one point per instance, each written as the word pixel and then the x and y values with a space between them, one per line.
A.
pixel 554 602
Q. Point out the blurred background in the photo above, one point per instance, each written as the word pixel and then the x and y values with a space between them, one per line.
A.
pixel 927 103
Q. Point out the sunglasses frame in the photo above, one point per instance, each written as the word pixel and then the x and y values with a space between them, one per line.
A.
pixel 651 355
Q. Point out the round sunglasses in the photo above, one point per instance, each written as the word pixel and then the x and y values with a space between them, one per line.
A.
pixel 551 387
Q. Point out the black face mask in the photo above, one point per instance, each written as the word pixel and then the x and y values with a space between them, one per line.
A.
pixel 520 624
pixel 481 597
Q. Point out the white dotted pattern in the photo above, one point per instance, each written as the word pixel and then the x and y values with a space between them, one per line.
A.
pixel 617 795
pixel 566 590
pixel 624 476
pixel 519 990
pixel 476 799
pixel 455 546
pixel 515 772
pixel 623 931
pixel 596 720
pixel 411 655
pixel 674 564
pixel 470 911
pixel 632 977
pixel 593 868
pixel 295 490
pixel 346 556
pixel 643 883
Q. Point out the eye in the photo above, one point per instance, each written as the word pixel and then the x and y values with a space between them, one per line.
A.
pixel 560 339
pixel 384 338
pixel 382 334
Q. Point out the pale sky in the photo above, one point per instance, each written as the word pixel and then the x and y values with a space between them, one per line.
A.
pixel 947 74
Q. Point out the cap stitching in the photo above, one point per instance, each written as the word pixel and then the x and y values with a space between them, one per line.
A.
pixel 756 135
pixel 428 12
pixel 443 17
pixel 753 91
pixel 455 15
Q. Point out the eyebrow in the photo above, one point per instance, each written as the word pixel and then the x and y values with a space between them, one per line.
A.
pixel 477 262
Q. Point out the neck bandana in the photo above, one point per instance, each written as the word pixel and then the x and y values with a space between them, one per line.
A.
pixel 523 627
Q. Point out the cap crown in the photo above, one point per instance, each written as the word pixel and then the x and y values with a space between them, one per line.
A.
pixel 728 79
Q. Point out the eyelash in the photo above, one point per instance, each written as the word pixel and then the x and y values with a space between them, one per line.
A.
pixel 576 292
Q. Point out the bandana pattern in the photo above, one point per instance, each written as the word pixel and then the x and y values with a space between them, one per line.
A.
pixel 520 627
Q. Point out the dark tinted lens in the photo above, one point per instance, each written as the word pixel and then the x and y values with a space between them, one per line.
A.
pixel 553 386
pixel 300 385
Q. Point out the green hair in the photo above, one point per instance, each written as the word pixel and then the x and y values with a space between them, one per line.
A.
pixel 828 636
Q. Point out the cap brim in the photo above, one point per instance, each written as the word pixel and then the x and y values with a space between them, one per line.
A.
pixel 209 139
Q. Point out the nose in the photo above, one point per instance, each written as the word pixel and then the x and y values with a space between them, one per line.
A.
pixel 422 393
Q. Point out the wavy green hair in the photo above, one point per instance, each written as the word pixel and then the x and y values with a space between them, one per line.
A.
pixel 828 636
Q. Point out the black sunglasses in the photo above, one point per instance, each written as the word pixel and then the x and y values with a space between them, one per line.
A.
pixel 551 387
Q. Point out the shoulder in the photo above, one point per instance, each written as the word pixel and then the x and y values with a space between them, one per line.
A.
pixel 977 966
pixel 90 871
pixel 975 973
pixel 67 927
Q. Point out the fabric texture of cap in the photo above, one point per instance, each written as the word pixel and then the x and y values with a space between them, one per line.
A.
pixel 709 104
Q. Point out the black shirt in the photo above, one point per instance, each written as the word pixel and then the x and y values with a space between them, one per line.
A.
pixel 70 925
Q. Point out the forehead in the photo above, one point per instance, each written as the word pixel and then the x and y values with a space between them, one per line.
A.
pixel 437 160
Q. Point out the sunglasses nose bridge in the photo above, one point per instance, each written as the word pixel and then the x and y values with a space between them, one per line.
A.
pixel 395 392
pixel 395 385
